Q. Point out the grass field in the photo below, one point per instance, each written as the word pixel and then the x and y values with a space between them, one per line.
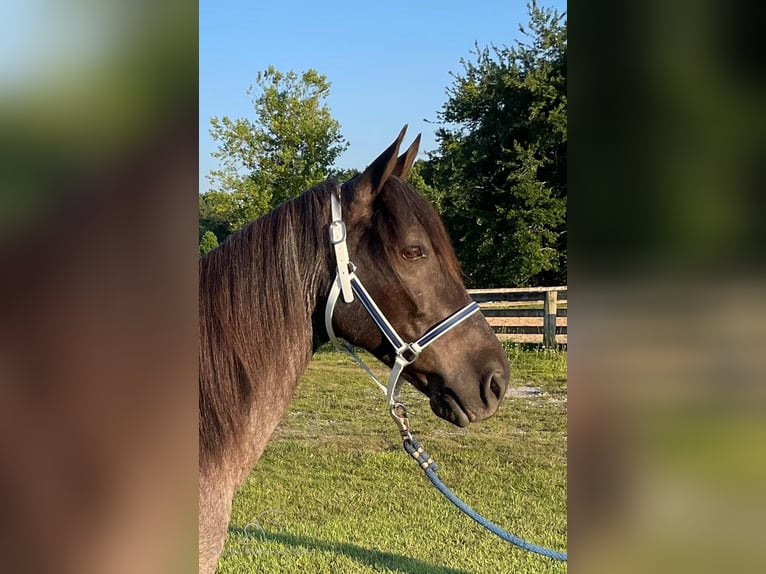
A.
pixel 334 491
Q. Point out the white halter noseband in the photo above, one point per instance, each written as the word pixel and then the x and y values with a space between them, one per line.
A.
pixel 347 283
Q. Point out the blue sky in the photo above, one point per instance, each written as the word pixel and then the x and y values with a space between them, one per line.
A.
pixel 389 63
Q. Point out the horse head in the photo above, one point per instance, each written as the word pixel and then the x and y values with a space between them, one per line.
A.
pixel 404 259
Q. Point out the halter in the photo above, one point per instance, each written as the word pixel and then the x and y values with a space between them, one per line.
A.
pixel 347 283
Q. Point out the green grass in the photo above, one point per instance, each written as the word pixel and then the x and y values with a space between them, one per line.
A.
pixel 335 493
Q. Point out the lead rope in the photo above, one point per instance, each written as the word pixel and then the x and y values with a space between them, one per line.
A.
pixel 347 283
pixel 413 448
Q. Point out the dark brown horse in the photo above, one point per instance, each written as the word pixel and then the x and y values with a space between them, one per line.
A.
pixel 262 297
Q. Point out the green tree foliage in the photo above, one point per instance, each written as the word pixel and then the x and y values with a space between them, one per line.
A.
pixel 501 164
pixel 342 174
pixel 207 243
pixel 290 146
pixel 219 214
pixel 420 177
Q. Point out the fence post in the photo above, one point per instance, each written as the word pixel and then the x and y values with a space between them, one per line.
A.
pixel 549 319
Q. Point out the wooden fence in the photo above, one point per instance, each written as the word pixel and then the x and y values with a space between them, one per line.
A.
pixel 542 319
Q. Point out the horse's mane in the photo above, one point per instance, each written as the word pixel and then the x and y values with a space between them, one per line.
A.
pixel 258 291
pixel 254 301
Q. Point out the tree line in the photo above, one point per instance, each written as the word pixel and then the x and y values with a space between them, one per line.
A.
pixel 497 178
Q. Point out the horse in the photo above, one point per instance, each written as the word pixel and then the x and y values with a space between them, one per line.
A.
pixel 262 299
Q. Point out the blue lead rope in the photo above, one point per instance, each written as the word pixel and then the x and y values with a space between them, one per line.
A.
pixel 428 465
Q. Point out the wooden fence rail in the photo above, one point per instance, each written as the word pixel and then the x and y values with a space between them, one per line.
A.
pixel 542 320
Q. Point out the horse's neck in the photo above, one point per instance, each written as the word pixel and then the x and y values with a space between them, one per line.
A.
pixel 270 405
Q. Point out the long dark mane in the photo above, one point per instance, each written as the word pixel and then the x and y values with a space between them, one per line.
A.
pixel 254 297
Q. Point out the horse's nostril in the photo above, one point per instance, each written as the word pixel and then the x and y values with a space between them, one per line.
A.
pixel 495 389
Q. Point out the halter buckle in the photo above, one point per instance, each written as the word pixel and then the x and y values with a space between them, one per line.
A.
pixel 337 232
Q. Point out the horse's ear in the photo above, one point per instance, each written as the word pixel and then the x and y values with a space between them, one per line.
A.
pixel 405 161
pixel 367 184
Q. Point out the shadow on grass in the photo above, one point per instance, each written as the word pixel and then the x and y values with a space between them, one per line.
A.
pixel 374 558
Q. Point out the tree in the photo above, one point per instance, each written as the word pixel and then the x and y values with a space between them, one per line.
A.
pixel 342 174
pixel 207 243
pixel 290 146
pixel 420 177
pixel 501 164
pixel 218 213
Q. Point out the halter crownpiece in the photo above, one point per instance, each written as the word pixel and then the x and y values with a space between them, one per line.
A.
pixel 347 282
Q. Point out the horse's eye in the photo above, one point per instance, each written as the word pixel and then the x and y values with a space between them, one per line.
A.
pixel 412 252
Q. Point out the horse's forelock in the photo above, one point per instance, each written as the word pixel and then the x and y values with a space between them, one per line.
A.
pixel 398 203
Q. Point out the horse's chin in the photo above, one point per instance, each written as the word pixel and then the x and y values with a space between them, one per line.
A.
pixel 448 408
